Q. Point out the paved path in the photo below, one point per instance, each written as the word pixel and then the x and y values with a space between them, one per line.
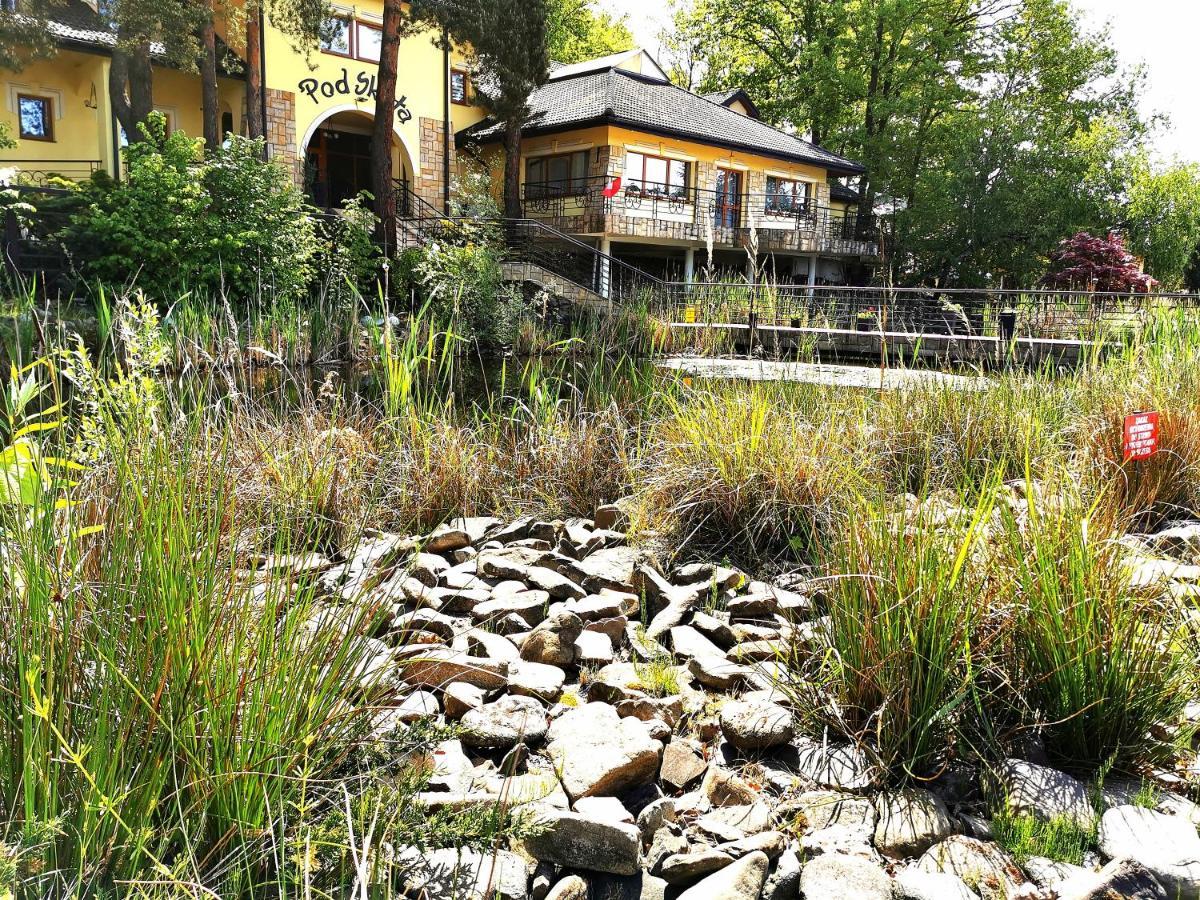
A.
pixel 818 373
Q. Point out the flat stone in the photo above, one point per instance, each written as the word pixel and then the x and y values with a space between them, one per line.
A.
pixel 772 843
pixel 816 810
pixel 682 764
pixel 979 863
pixel 756 726
pixel 842 767
pixel 910 822
pixel 760 651
pixel 605 809
pixel 465 875
pixel 529 605
pixel 834 875
pixel 1121 878
pixel 1166 845
pixel 607 604
pixel 688 642
pixel 460 698
pixel 493 646
pixel 570 888
pixel 530 679
pixel 665 709
pixel 732 823
pixel 717 672
pixel 753 606
pixel 913 884
pixel 609 568
pixel 417 705
pixel 1045 793
pixel 593 648
pixel 504 724
pixel 598 753
pixel 740 880
pixel 841 840
pixel 684 868
pixel 579 842
pixel 437 667
pixel 714 629
pixel 722 787
pixel 557 586
pixel 784 882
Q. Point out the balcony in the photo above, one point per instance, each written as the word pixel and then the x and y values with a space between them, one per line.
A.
pixel 580 206
pixel 43 172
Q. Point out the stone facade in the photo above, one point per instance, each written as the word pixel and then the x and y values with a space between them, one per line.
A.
pixel 431 184
pixel 281 130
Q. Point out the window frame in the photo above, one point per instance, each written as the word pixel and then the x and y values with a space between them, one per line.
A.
pixel 466 86
pixel 355 44
pixel 351 31
pixel 642 190
pixel 47 118
pixel 571 186
pixel 800 208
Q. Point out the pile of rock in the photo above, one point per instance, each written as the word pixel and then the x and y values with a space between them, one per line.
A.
pixel 642 718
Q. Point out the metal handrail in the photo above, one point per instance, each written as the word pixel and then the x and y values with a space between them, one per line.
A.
pixel 39 172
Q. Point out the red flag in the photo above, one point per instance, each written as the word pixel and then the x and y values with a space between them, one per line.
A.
pixel 613 187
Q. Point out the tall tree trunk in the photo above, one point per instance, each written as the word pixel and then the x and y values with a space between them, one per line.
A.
pixel 381 134
pixel 210 99
pixel 255 126
pixel 131 88
pixel 512 167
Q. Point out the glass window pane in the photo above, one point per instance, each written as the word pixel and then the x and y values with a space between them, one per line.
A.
pixel 335 37
pixel 35 117
pixel 370 42
pixel 535 170
pixel 634 166
pixel 579 170
pixel 558 170
pixel 656 173
pixel 678 177
pixel 458 87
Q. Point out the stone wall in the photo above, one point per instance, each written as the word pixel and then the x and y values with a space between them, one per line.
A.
pixel 281 130
pixel 431 183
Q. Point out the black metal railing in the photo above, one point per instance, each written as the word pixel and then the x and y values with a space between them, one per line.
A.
pixel 33 247
pixel 578 204
pixel 44 172
pixel 966 312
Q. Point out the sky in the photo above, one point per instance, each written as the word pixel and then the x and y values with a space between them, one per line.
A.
pixel 1159 33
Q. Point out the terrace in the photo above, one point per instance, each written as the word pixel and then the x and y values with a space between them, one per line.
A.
pixel 782 223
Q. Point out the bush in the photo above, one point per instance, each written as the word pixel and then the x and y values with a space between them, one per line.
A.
pixel 182 221
pixel 462 280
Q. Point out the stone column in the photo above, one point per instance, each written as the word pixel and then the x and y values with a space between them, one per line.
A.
pixel 689 265
pixel 605 281
pixel 281 131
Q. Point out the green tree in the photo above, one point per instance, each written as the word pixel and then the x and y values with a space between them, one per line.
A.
pixel 24 36
pixel 577 31
pixel 507 39
pixel 1162 218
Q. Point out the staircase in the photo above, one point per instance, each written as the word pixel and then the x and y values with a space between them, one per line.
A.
pixel 534 253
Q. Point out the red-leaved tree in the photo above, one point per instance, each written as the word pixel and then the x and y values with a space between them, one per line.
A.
pixel 1086 262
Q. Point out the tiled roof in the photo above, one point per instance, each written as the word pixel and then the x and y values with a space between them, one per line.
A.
pixel 623 98
pixel 842 194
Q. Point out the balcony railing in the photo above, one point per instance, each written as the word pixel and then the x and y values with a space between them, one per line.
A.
pixel 780 219
pixel 43 172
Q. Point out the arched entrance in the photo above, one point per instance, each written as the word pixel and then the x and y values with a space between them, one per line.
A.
pixel 337 157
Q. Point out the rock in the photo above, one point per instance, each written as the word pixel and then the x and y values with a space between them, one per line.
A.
pixel 504 724
pixel 609 517
pixel 578 842
pixel 557 586
pixel 1121 878
pixel 830 765
pixel 772 843
pixel 839 839
pixel 717 672
pixel 449 768
pixel 609 568
pixel 688 642
pixel 607 604
pixel 529 605
pixel 666 842
pixel 570 888
pixel 460 698
pixel 1050 873
pixel 493 646
pixel 755 726
pixel 913 884
pixel 784 882
pixel 530 679
pixel 732 823
pixel 375 669
pixel 681 765
pixel 665 709
pixel 553 641
pixel 760 651
pixel 817 810
pixel 978 863
pixel 910 822
pixel 1045 793
pixel 1166 845
pixel 680 601
pixel 427 568
pixel 593 648
pixel 753 606
pixel 845 877
pixel 740 880
pixel 417 705
pixel 511 562
pixel 714 629
pixel 723 788
pixel 465 875
pixel 437 667
pixel 654 816
pixel 684 868
pixel 597 752
pixel 604 809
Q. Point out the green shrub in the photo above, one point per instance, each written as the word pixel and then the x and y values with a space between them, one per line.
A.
pixel 462 280
pixel 183 221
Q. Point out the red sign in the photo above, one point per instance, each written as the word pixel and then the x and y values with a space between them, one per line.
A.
pixel 612 188
pixel 1141 435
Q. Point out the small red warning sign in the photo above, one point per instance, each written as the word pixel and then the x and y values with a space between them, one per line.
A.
pixel 1141 435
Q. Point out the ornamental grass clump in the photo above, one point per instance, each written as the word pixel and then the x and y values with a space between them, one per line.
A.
pixel 897 668
pixel 1093 665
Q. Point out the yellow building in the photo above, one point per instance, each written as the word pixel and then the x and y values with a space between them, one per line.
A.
pixel 319 105
pixel 651 174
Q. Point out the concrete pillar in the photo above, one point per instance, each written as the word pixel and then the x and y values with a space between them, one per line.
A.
pixel 689 265
pixel 812 271
pixel 605 281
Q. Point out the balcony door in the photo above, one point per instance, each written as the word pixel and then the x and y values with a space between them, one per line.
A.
pixel 728 212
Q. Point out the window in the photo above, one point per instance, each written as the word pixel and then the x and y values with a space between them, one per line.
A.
pixel 458 86
pixel 368 42
pixel 563 175
pixel 787 197
pixel 36 116
pixel 656 176
pixel 335 36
